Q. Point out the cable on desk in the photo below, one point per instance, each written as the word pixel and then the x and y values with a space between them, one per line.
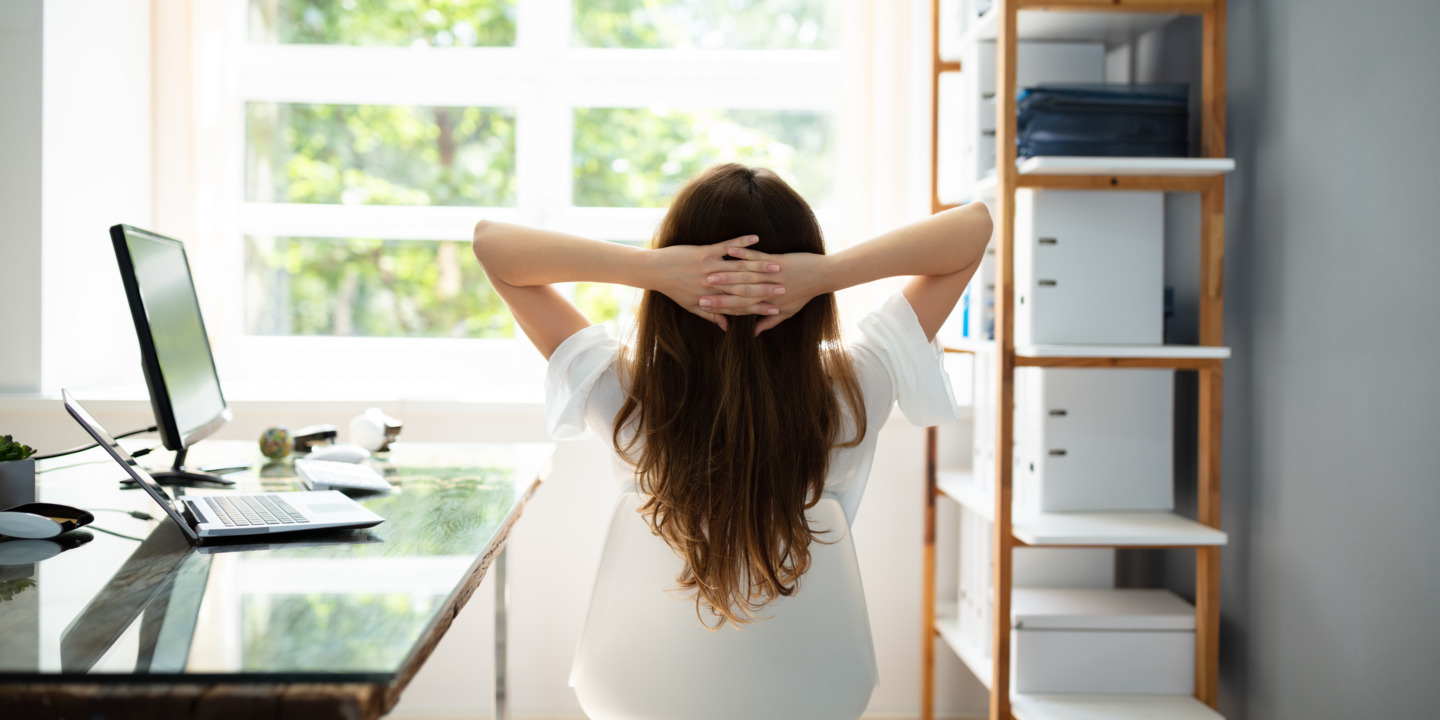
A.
pixel 112 532
pixel 142 452
pixel 138 515
pixel 83 448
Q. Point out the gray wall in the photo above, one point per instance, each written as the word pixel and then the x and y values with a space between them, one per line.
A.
pixel 20 58
pixel 1331 581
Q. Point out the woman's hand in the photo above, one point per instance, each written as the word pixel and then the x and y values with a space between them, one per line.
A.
pixel 801 276
pixel 683 273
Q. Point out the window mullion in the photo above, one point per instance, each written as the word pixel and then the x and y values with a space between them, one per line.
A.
pixel 549 37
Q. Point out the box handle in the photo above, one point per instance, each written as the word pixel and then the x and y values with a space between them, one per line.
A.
pixel 1059 413
pixel 1048 283
pixel 1048 241
pixel 1057 453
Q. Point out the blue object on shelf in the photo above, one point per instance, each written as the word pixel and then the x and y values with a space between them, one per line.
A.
pixel 965 313
pixel 1150 120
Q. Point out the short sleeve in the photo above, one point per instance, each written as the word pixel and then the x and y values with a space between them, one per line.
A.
pixel 574 368
pixel 916 366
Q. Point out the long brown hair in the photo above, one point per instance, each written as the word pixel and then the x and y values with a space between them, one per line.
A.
pixel 735 430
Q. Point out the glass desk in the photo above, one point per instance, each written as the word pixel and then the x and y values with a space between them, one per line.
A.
pixel 323 624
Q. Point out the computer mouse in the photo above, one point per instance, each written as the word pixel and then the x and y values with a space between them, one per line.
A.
pixel 28 525
pixel 338 453
pixel 42 520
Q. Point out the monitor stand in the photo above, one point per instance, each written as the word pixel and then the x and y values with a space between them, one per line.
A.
pixel 178 475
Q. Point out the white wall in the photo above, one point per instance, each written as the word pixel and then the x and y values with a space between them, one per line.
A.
pixel 20 125
pixel 75 135
pixel 97 172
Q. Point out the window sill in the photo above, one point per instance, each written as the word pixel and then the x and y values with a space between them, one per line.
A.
pixel 522 398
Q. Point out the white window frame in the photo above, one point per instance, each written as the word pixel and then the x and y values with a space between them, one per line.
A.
pixel 543 79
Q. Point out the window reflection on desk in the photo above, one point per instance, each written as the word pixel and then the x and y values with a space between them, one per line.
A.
pixel 359 608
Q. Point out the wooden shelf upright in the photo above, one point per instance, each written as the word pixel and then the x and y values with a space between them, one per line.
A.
pixel 1007 22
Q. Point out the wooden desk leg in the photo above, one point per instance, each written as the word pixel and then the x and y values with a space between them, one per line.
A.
pixel 502 610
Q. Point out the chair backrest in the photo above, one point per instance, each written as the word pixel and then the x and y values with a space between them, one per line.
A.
pixel 645 656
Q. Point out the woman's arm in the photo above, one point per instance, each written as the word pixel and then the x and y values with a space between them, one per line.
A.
pixel 522 263
pixel 942 251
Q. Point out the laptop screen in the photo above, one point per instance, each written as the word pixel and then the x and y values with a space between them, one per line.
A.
pixel 123 457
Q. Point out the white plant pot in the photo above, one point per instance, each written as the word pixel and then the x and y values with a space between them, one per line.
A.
pixel 17 483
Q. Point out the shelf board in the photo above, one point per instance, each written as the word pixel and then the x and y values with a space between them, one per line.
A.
pixel 1104 529
pixel 1125 166
pixel 1207 352
pixel 947 626
pixel 970 346
pixel 962 487
pixel 1113 529
pixel 1112 28
pixel 1180 357
pixel 1058 706
pixel 1157 174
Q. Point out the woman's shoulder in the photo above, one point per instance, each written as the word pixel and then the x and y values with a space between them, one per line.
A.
pixel 893 345
pixel 577 364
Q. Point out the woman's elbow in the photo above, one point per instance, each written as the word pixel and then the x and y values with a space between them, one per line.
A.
pixel 480 241
pixel 985 224
pixel 489 243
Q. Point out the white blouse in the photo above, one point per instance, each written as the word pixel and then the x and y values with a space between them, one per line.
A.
pixel 893 362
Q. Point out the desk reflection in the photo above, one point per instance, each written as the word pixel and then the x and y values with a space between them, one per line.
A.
pixel 164 580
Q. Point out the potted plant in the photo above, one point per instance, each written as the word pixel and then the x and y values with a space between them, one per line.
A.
pixel 17 473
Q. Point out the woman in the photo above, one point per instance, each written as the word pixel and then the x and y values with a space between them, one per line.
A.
pixel 737 406
pixel 736 409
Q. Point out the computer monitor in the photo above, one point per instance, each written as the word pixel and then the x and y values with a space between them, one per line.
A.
pixel 174 349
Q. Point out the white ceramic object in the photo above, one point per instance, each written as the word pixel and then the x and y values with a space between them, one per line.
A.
pixel 374 430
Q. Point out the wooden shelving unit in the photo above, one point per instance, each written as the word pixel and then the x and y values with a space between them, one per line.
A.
pixel 1111 21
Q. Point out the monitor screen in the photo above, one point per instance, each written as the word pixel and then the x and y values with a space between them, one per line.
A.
pixel 174 349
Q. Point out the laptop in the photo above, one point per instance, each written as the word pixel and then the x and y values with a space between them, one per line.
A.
pixel 234 515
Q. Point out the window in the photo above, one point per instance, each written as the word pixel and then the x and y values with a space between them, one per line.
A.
pixel 372 134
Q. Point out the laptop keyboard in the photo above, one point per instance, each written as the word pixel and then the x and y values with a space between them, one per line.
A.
pixel 257 510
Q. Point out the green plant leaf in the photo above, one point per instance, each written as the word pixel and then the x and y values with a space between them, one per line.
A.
pixel 11 450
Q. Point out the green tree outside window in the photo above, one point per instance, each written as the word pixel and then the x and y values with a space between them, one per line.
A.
pixel 466 156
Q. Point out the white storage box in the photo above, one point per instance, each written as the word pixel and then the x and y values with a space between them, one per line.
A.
pixel 976 594
pixel 1102 641
pixel 1089 267
pixel 954 146
pixel 982 456
pixel 967 103
pixel 1092 439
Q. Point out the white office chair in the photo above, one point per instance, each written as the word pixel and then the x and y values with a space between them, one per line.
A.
pixel 644 655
